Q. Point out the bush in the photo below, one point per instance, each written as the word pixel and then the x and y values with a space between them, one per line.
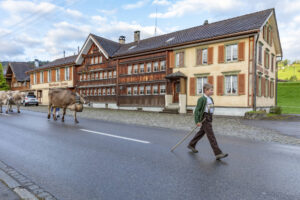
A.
pixel 275 110
pixel 293 78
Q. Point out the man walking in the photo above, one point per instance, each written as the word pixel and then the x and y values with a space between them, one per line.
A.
pixel 203 116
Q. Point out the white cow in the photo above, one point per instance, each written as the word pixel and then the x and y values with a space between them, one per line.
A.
pixel 14 98
pixel 3 99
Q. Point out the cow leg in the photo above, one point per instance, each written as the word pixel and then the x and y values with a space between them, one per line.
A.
pixel 63 117
pixel 49 110
pixel 18 106
pixel 7 106
pixel 1 108
pixel 10 108
pixel 75 117
pixel 54 114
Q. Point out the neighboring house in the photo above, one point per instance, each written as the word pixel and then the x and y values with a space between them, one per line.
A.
pixel 16 77
pixel 56 74
pixel 169 71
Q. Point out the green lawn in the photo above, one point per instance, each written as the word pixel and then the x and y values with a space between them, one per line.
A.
pixel 289 97
pixel 286 72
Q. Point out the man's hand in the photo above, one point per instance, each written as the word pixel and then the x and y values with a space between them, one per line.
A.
pixel 199 124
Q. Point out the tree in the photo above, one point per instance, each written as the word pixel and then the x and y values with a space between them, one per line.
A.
pixel 3 84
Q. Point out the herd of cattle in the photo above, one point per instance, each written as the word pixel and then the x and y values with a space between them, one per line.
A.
pixel 58 98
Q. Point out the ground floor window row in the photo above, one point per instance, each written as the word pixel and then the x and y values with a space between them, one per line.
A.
pixel 98 91
pixel 265 87
pixel 155 89
pixel 98 75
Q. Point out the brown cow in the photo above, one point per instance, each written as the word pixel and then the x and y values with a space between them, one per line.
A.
pixel 3 98
pixel 64 98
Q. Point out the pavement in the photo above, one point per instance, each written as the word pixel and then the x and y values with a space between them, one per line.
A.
pixel 97 159
pixel 6 193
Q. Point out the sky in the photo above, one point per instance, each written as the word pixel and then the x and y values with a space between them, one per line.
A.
pixel 43 30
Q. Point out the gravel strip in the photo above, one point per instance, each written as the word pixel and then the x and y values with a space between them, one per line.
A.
pixel 229 126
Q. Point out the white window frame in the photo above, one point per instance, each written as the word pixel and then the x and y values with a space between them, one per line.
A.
pixel 155 90
pixel 200 83
pixel 110 74
pixel 142 66
pixel 57 74
pixel 231 52
pixel 105 75
pixel 101 75
pixel 231 85
pixel 49 75
pixel 113 91
pixel 162 89
pixel 100 59
pixel 115 74
pixel 147 89
pixel 204 56
pixel 42 77
pixel 149 67
pixel 177 59
pixel 129 91
pixel 34 78
pixel 135 90
pixel 142 90
pixel 163 65
pixel 155 67
pixel 135 69
pixel 96 60
pixel 129 69
pixel 108 91
pixel 67 73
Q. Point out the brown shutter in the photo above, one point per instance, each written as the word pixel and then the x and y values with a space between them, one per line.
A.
pixel 192 86
pixel 171 60
pixel 38 75
pixel 241 51
pixel 210 80
pixel 181 59
pixel 221 54
pixel 220 85
pixel 199 57
pixel 53 75
pixel 263 86
pixel 45 76
pixel 62 74
pixel 257 85
pixel 241 84
pixel 71 73
pixel 31 79
pixel 210 55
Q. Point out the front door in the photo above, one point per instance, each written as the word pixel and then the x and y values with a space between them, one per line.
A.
pixel 176 91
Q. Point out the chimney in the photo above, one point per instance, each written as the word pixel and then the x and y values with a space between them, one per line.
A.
pixel 64 53
pixel 122 39
pixel 36 63
pixel 137 36
pixel 205 22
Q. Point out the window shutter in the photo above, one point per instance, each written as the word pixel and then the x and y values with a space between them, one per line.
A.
pixel 263 86
pixel 221 54
pixel 171 60
pixel 181 59
pixel 265 58
pixel 71 72
pixel 270 87
pixel 62 74
pixel 210 55
pixel 241 84
pixel 45 76
pixel 257 85
pixel 241 51
pixel 220 85
pixel 192 86
pixel 210 80
pixel 199 56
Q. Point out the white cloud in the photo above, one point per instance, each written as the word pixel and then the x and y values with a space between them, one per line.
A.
pixel 135 5
pixel 99 19
pixel 108 12
pixel 161 2
pixel 182 7
pixel 74 13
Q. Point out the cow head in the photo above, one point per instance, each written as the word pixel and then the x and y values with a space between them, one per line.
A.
pixel 82 99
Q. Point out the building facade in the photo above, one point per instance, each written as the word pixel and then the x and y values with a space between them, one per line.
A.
pixel 56 74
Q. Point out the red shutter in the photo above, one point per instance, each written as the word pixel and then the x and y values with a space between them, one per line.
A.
pixel 181 59
pixel 221 54
pixel 192 86
pixel 241 84
pixel 199 56
pixel 210 55
pixel 171 60
pixel 257 85
pixel 265 58
pixel 241 51
pixel 210 80
pixel 263 86
pixel 220 85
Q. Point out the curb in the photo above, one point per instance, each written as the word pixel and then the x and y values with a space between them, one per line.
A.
pixel 21 185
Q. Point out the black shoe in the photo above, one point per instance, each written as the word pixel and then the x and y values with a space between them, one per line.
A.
pixel 192 149
pixel 221 155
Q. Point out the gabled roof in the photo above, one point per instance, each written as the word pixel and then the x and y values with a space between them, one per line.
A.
pixel 57 63
pixel 242 24
pixel 19 69
pixel 108 45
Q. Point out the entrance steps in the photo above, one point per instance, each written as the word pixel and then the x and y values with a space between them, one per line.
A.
pixel 171 109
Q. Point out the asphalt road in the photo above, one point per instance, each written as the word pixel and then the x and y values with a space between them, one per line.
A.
pixel 102 160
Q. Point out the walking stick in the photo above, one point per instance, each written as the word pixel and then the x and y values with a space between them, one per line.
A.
pixel 181 141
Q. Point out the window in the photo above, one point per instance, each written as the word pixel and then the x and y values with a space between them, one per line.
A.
pixel 272 63
pixel 128 90
pixel 204 56
pixel 95 92
pixel 80 77
pixel 99 92
pixel 148 90
pixel 108 91
pixel 49 76
pixel 266 87
pixel 231 84
pixel 34 78
pixel 88 76
pixel 92 76
pixel 97 75
pixel 115 73
pixel 163 65
pixel 260 53
pixel 113 91
pixel 142 92
pixel 149 67
pixel 272 89
pixel 110 74
pixel 92 60
pixel 100 59
pixel 267 61
pixel 155 67
pixel 231 52
pixel 57 75
pixel 84 77
pixel 67 73
pixel 200 83
pixel 96 60
pixel 101 75
pixel 104 91
pixel 129 69
pixel 155 89
pixel 105 75
pixel 135 69
pixel 259 87
pixel 41 77
pixel 162 89
pixel 135 90
pixel 177 59
pixel 142 68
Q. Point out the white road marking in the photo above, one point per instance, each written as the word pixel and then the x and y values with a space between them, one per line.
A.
pixel 116 136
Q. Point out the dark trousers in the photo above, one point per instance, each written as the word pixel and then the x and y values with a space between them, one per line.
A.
pixel 207 128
